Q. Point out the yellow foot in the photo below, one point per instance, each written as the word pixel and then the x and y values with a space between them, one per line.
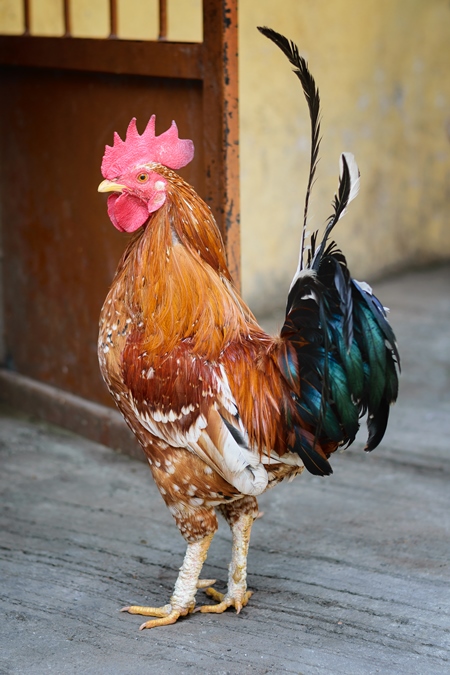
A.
pixel 167 614
pixel 224 601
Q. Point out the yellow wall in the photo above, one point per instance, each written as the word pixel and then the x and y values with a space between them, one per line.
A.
pixel 383 70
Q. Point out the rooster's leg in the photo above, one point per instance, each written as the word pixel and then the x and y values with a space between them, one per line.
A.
pixel 240 516
pixel 182 601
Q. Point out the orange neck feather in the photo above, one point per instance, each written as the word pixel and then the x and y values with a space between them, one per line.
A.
pixel 177 282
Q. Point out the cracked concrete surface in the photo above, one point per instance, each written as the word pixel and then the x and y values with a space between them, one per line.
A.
pixel 350 573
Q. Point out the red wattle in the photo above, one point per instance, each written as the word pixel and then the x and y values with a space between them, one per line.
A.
pixel 127 213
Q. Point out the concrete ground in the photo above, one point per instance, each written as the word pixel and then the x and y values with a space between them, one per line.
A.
pixel 350 573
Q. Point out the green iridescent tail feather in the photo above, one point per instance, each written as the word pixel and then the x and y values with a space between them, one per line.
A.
pixel 341 379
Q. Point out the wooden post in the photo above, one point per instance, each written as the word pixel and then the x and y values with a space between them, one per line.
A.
pixel 26 17
pixel 112 19
pixel 221 117
pixel 162 33
pixel 67 19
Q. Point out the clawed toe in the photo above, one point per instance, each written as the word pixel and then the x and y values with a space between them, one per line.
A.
pixel 166 614
pixel 224 601
pixel 148 611
pixel 172 617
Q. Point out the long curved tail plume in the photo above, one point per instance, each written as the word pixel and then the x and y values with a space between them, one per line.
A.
pixel 345 356
pixel 347 191
pixel 311 92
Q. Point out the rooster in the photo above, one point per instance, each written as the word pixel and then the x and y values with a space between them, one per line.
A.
pixel 222 410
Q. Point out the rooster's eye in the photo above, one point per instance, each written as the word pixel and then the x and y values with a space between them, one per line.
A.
pixel 142 177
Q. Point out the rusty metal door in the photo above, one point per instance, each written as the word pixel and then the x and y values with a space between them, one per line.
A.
pixel 62 99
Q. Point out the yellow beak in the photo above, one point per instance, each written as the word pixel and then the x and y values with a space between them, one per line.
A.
pixel 110 186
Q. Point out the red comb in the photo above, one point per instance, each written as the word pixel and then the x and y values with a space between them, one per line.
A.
pixel 166 149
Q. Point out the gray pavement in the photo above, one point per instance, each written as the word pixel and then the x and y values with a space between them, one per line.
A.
pixel 350 573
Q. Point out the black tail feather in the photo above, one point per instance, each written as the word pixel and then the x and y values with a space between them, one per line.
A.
pixel 314 462
pixel 311 93
pixel 376 425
